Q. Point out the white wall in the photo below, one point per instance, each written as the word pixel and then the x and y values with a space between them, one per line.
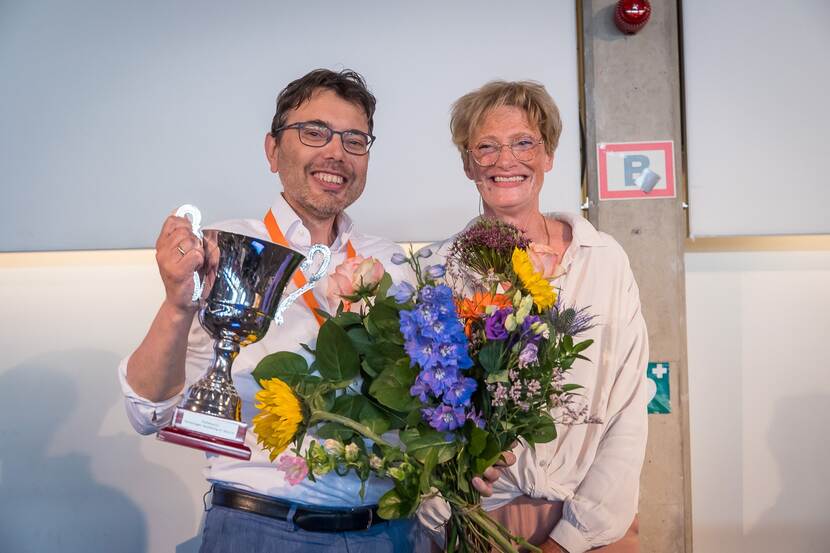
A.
pixel 74 476
pixel 119 111
pixel 759 400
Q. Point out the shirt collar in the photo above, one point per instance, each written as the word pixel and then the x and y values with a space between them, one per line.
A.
pixel 298 236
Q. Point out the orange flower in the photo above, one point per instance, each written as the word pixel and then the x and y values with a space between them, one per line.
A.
pixel 472 309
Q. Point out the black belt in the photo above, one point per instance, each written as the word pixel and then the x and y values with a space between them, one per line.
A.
pixel 308 518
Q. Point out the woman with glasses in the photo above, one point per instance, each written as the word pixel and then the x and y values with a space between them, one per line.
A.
pixel 580 491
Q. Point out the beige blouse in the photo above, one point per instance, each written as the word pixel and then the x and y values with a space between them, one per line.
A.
pixel 593 468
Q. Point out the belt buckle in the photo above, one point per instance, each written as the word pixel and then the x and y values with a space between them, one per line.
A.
pixel 369 523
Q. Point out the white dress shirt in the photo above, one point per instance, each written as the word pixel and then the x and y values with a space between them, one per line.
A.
pixel 593 468
pixel 259 474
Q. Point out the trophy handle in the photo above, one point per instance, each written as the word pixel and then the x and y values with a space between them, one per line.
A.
pixel 192 213
pixel 312 280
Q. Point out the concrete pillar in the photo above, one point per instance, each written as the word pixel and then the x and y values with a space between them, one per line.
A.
pixel 632 92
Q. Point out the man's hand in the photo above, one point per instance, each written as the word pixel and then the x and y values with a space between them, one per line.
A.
pixel 178 254
pixel 484 483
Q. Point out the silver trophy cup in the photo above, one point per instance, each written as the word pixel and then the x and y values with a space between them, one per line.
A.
pixel 244 279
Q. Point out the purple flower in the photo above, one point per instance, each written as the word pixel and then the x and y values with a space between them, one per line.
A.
pixel 529 355
pixel 398 258
pixel 438 379
pixel 494 324
pixel 436 271
pixel 460 392
pixel 423 253
pixel 444 418
pixel 402 292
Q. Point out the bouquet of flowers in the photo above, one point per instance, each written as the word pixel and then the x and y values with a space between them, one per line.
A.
pixel 459 367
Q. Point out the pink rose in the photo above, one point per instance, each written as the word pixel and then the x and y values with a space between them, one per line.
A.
pixel 352 274
pixel 543 258
pixel 295 468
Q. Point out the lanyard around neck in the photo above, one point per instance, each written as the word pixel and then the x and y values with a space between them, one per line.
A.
pixel 278 237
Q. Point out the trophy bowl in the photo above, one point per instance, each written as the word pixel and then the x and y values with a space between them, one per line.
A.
pixel 244 279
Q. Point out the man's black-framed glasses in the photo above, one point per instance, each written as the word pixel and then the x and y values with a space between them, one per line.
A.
pixel 317 134
pixel 486 153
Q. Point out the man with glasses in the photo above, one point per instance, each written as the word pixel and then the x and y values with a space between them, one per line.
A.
pixel 319 147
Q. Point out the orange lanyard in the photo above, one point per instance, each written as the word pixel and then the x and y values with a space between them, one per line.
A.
pixel 278 237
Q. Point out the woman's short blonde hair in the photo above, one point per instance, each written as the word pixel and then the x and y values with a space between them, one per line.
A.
pixel 469 111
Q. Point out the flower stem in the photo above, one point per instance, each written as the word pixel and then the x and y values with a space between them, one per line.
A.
pixel 365 431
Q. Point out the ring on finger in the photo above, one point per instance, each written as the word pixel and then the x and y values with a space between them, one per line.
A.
pixel 181 251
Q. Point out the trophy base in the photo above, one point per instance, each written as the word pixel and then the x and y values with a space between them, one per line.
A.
pixel 207 433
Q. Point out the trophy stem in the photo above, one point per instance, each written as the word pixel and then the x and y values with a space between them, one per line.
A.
pixel 215 394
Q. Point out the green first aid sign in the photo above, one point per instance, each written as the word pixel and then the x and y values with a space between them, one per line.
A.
pixel 658 388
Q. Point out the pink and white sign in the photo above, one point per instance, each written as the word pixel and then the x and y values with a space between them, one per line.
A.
pixel 636 170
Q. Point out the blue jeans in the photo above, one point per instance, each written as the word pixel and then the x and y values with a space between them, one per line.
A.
pixel 233 531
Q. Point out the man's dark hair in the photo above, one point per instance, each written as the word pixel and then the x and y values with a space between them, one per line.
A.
pixel 347 84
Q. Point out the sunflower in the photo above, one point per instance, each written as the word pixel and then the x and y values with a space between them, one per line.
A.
pixel 543 293
pixel 279 418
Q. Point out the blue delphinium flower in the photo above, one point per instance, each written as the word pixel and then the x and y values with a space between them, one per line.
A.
pixel 445 417
pixel 434 339
pixel 436 271
pixel 399 259
pixel 402 292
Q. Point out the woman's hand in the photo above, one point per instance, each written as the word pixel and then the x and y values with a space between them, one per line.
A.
pixel 484 483
pixel 550 546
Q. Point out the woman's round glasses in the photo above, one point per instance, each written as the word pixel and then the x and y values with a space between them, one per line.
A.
pixel 487 152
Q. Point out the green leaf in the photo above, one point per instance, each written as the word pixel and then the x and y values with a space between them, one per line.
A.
pixel 391 506
pixel 571 387
pixel 430 462
pixel 383 354
pixel 478 439
pixel 360 409
pixel 544 430
pixel 335 431
pixel 383 322
pixel 384 285
pixel 428 441
pixel 582 346
pixel 337 359
pixel 490 356
pixel 488 456
pixel 391 387
pixel 361 340
pixel 348 319
pixel 288 366
pixel 497 376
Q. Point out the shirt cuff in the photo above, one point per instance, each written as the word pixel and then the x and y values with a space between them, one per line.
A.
pixel 569 537
pixel 146 416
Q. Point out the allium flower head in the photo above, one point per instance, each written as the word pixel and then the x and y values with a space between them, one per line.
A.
pixel 485 246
